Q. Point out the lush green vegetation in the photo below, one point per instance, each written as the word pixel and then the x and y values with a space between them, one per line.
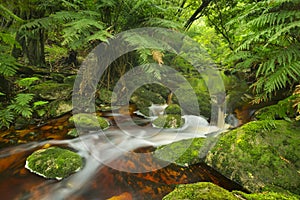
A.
pixel 257 41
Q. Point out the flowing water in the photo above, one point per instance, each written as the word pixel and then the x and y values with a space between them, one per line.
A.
pixel 117 161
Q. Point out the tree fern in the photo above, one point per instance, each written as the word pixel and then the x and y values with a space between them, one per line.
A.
pixel 273 43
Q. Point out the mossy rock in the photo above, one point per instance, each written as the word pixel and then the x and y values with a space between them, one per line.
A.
pixel 267 195
pixel 200 191
pixel 73 133
pixel 50 90
pixel 259 155
pixel 54 162
pixel 89 121
pixel 173 109
pixel 168 121
pixel 189 150
pixel 60 107
pixel 70 80
pixel 105 96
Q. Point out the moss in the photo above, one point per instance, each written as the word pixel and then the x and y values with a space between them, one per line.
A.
pixel 54 162
pixel 199 191
pixel 267 195
pixel 51 90
pixel 173 109
pixel 73 133
pixel 60 107
pixel 184 152
pixel 89 121
pixel 258 157
pixel 168 121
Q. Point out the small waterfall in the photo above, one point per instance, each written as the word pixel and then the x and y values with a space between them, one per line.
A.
pixel 157 109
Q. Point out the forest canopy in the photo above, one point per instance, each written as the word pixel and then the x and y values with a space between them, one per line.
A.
pixel 257 40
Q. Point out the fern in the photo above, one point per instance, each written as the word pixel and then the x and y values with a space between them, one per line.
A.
pixel 27 82
pixel 21 105
pixel 272 46
pixel 6 118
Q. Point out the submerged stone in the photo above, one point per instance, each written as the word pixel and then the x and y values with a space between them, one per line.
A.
pixel 201 190
pixel 260 155
pixel 89 121
pixel 54 162
pixel 168 121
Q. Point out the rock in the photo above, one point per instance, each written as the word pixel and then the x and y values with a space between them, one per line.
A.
pixel 260 155
pixel 168 121
pixel 183 153
pixel 50 90
pixel 60 107
pixel 143 98
pixel 105 96
pixel 54 162
pixel 201 99
pixel 173 109
pixel 210 191
pixel 73 133
pixel 201 190
pixel 267 195
pixel 89 121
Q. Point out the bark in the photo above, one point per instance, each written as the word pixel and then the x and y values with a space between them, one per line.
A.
pixel 198 13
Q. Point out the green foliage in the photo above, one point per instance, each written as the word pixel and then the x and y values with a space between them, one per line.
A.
pixel 6 118
pixel 21 105
pixel 270 49
pixel 27 82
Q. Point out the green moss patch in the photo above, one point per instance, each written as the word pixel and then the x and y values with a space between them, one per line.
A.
pixel 168 121
pixel 54 162
pixel 89 121
pixel 173 109
pixel 199 191
pixel 259 156
pixel 184 152
pixel 51 90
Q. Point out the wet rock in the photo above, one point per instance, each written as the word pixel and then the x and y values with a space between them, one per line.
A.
pixel 260 155
pixel 50 90
pixel 210 191
pixel 173 109
pixel 73 133
pixel 168 121
pixel 143 98
pixel 54 162
pixel 60 107
pixel 89 121
pixel 201 190
pixel 183 153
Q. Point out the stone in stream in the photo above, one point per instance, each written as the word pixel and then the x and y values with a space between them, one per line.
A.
pixel 54 162
pixel 89 121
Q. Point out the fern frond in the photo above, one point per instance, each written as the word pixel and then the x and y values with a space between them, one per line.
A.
pixel 27 82
pixel 158 22
pixel 8 65
pixel 6 118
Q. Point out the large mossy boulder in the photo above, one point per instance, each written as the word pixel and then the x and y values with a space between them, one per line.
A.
pixel 54 162
pixel 200 191
pixel 168 121
pixel 50 90
pixel 210 191
pixel 89 121
pixel 260 155
pixel 183 153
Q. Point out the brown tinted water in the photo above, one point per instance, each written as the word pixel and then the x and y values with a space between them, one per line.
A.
pixel 16 182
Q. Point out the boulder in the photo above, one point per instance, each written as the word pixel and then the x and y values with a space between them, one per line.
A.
pixel 260 155
pixel 54 162
pixel 168 121
pixel 50 90
pixel 89 121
